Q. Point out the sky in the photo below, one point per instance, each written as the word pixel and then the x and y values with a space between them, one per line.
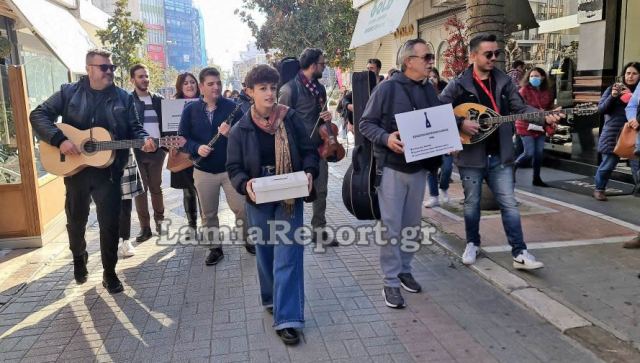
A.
pixel 225 34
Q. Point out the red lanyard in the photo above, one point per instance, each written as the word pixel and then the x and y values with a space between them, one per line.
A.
pixel 484 88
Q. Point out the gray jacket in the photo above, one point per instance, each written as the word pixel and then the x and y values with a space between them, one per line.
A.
pixel 462 90
pixel 295 95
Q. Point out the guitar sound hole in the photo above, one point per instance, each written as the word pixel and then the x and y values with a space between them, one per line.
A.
pixel 90 147
pixel 484 124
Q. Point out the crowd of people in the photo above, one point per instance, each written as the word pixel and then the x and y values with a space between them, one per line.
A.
pixel 265 131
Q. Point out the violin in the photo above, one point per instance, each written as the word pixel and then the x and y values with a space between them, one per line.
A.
pixel 330 150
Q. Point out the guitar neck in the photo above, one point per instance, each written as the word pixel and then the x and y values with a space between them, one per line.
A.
pixel 120 144
pixel 533 117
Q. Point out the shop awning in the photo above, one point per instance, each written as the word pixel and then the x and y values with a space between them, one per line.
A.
pixel 377 19
pixel 518 16
pixel 59 30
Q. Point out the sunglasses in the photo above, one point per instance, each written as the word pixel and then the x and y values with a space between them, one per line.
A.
pixel 427 57
pixel 495 54
pixel 105 67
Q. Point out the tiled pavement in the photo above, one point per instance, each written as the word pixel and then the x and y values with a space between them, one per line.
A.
pixel 175 308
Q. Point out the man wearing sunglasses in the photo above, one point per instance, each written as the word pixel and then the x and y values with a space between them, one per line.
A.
pixel 402 185
pixel 491 159
pixel 93 101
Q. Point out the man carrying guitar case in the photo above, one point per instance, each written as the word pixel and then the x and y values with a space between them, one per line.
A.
pixel 402 184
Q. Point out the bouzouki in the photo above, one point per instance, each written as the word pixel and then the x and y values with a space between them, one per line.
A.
pixel 359 193
pixel 215 138
pixel 489 120
pixel 96 149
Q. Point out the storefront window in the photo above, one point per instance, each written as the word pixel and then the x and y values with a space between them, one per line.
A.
pixel 9 162
pixel 45 74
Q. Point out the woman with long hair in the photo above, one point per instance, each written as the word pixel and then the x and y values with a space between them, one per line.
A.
pixel 536 92
pixel 270 139
pixel 612 105
pixel 187 87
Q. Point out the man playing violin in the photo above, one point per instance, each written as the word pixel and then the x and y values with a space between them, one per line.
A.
pixel 491 159
pixel 307 96
pixel 201 121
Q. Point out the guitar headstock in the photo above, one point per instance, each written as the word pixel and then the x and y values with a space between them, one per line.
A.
pixel 585 109
pixel 172 142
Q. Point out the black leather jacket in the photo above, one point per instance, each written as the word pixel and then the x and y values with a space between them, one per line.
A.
pixel 72 102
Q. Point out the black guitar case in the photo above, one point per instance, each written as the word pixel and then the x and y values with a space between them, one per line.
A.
pixel 358 187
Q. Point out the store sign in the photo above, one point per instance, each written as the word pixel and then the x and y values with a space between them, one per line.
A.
pixel 590 10
pixel 154 26
pixel 377 19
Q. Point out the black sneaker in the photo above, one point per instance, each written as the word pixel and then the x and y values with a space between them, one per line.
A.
pixel 251 249
pixel 409 283
pixel 392 297
pixel 289 336
pixel 80 272
pixel 145 234
pixel 112 283
pixel 324 238
pixel 215 256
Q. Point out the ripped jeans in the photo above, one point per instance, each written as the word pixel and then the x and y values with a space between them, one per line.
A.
pixel 500 180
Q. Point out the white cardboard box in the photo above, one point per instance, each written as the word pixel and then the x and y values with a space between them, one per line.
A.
pixel 280 187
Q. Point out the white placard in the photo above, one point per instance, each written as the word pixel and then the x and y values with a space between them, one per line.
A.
pixel 171 113
pixel 428 132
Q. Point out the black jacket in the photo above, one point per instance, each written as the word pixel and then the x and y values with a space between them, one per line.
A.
pixel 295 95
pixel 156 101
pixel 72 103
pixel 462 90
pixel 378 120
pixel 243 151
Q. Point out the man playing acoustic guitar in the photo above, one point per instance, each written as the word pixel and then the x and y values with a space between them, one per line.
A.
pixel 93 101
pixel 491 159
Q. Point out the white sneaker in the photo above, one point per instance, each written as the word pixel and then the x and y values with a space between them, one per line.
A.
pixel 470 254
pixel 431 202
pixel 444 196
pixel 526 261
pixel 126 249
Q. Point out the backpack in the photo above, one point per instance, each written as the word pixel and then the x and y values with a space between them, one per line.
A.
pixel 288 69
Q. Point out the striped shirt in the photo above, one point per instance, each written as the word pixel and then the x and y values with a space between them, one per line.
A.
pixel 151 121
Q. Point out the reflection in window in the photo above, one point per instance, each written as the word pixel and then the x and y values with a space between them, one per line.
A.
pixel 45 74
pixel 9 162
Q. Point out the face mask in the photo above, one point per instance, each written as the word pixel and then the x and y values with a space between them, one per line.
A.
pixel 535 81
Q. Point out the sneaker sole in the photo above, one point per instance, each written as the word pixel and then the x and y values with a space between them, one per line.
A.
pixel 390 304
pixel 214 262
pixel 406 288
pixel 519 266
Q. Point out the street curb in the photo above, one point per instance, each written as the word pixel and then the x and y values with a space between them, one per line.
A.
pixel 556 313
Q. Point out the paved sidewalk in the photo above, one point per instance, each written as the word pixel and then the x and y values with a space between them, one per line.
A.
pixel 580 242
pixel 175 308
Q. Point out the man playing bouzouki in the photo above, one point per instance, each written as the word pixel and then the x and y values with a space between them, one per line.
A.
pixel 93 101
pixel 490 159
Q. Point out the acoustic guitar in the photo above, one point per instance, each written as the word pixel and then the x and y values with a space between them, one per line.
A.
pixel 489 120
pixel 96 149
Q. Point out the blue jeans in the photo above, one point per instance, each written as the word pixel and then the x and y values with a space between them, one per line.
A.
pixel 500 180
pixel 608 164
pixel 280 265
pixel 445 176
pixel 533 149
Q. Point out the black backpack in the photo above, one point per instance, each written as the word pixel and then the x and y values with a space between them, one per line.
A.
pixel 288 68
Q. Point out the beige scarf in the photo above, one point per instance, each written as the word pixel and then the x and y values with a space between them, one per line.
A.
pixel 274 125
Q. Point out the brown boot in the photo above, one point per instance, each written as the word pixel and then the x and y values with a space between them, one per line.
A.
pixel 634 243
pixel 599 195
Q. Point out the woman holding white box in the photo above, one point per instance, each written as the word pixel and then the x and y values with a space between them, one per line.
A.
pixel 271 140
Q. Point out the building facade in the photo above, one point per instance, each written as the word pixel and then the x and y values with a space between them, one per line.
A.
pixel 180 39
pixel 550 36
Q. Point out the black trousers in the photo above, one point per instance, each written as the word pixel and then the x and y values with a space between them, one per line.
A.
pixel 125 219
pixel 96 184
pixel 191 203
